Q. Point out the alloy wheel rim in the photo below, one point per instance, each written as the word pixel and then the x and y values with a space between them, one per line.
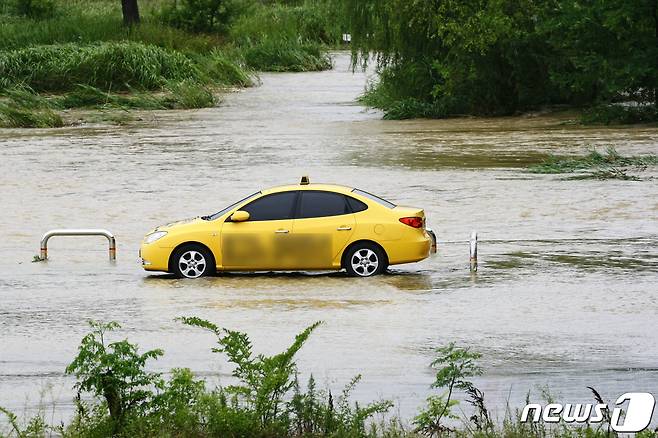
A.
pixel 192 264
pixel 364 262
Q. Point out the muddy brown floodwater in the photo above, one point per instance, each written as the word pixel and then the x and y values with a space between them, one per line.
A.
pixel 574 303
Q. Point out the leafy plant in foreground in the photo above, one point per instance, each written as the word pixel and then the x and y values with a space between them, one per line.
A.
pixel 114 371
pixel 457 365
pixel 264 380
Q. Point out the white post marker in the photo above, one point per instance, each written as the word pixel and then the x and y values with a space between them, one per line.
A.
pixel 473 251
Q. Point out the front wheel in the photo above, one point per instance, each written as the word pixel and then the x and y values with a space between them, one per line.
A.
pixel 192 261
pixel 365 260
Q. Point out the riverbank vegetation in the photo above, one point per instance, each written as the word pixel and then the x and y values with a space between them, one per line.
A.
pixel 179 54
pixel 597 165
pixel 118 396
pixel 491 58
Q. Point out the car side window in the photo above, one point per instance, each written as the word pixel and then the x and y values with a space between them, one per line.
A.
pixel 276 206
pixel 356 205
pixel 321 204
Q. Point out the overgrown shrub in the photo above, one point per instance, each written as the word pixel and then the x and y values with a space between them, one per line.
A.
pixel 16 116
pixel 114 371
pixel 110 66
pixel 190 94
pixel 619 114
pixel 221 69
pixel 197 15
pixel 266 402
pixel 314 20
pixel 37 9
pixel 500 58
pixel 286 55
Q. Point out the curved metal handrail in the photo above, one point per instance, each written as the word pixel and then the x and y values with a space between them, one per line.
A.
pixel 79 232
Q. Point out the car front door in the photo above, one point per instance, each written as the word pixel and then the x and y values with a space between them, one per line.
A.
pixel 258 243
pixel 323 225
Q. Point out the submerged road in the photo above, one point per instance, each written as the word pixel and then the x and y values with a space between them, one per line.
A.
pixel 564 314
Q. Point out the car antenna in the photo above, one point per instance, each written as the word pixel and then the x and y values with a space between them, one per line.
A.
pixel 305 181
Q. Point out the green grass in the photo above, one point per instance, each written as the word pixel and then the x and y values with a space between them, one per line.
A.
pixel 596 165
pixel 311 20
pixel 57 55
pixel 12 116
pixel 285 56
pixel 110 65
pixel 22 108
pixel 177 95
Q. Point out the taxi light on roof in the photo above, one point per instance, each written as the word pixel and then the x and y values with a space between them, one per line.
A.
pixel 305 181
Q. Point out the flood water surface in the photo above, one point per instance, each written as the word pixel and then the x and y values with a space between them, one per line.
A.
pixel 565 295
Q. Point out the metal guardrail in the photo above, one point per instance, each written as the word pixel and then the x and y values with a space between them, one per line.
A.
pixel 79 232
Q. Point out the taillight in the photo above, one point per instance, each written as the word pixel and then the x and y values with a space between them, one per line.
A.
pixel 415 222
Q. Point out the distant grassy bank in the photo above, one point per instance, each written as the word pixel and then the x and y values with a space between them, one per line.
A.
pixel 267 399
pixel 56 55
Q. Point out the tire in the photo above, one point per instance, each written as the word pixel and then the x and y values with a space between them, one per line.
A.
pixel 192 261
pixel 365 260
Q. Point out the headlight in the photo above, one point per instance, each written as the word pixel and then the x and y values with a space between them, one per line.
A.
pixel 155 236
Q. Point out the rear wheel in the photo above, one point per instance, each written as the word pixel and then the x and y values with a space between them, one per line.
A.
pixel 365 260
pixel 192 261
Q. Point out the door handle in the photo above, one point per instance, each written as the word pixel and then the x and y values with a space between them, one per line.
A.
pixel 282 231
pixel 344 228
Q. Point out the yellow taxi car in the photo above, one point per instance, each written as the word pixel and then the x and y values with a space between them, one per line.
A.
pixel 293 228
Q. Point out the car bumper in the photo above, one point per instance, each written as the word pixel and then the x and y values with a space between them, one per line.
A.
pixel 154 258
pixel 408 250
pixel 430 233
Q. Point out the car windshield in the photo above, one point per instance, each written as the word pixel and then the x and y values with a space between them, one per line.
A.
pixel 377 199
pixel 220 213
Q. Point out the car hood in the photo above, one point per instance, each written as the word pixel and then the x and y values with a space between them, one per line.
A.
pixel 177 224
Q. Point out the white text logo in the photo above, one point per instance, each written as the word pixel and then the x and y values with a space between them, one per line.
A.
pixel 636 418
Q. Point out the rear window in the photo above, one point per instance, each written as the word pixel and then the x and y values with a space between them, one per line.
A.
pixel 377 199
pixel 320 204
pixel 356 205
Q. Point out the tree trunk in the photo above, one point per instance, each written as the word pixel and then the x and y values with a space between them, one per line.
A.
pixel 130 12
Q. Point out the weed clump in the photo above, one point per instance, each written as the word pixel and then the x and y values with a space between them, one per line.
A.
pixel 596 165
pixel 286 56
pixel 266 400
pixel 15 116
pixel 116 66
pixel 619 115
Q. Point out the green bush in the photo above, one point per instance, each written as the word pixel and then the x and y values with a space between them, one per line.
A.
pixel 619 115
pixel 190 94
pixel 499 58
pixel 197 15
pixel 115 66
pixel 266 401
pixel 285 55
pixel 16 116
pixel 221 69
pixel 114 371
pixel 37 9
pixel 317 21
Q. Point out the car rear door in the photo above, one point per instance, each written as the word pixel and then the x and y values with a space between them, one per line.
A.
pixel 260 242
pixel 322 228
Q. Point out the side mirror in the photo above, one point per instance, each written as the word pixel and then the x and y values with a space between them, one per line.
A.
pixel 240 216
